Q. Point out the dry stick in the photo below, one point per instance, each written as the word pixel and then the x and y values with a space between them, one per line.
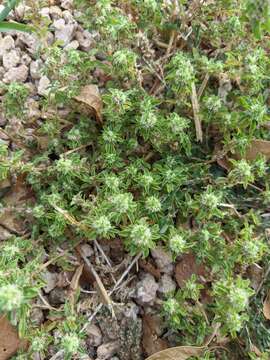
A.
pixel 100 285
pixel 196 110
pixel 119 281
pixel 263 280
pixel 203 86
pixel 57 355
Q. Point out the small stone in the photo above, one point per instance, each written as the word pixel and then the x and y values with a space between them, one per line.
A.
pixel 85 39
pixel 36 316
pixel 45 12
pixel 146 290
pixel 4 233
pixel 68 17
pixel 94 335
pixel 55 12
pixel 43 86
pixel 32 109
pixel 20 11
pixel 72 45
pixel 18 74
pixel 57 296
pixel 163 259
pixel 166 284
pixel 6 44
pixel 106 351
pixel 11 59
pixel 25 59
pixel 67 4
pixel 63 32
pixel 87 250
pixel 31 42
pixel 50 280
pixel 35 69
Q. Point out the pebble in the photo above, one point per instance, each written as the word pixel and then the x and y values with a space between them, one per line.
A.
pixel 146 290
pixel 67 4
pixel 94 335
pixel 28 40
pixel 18 74
pixel 11 59
pixel 25 59
pixel 7 43
pixel 166 284
pixel 43 86
pixel 35 69
pixel 55 12
pixel 57 296
pixel 87 250
pixel 50 279
pixel 72 45
pixel 36 316
pixel 63 32
pixel 85 39
pixel 106 351
pixel 163 259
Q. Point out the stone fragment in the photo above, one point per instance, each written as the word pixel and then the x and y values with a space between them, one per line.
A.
pixel 146 290
pixel 57 296
pixel 106 351
pixel 43 86
pixel 7 43
pixel 50 280
pixel 11 59
pixel 94 335
pixel 18 74
pixel 163 259
pixel 166 284
pixel 85 39
pixel 35 69
pixel 63 32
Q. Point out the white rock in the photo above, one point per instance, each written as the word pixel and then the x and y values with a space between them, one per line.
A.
pixel 166 284
pixel 72 45
pixel 35 69
pixel 67 4
pixel 85 39
pixel 25 59
pixel 146 290
pixel 68 17
pixel 50 279
pixel 32 108
pixel 43 86
pixel 45 12
pixel 106 351
pixel 18 74
pixel 94 335
pixel 6 43
pixel 163 259
pixel 11 59
pixel 28 40
pixel 55 12
pixel 64 32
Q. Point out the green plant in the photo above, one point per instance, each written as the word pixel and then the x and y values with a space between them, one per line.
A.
pixel 12 26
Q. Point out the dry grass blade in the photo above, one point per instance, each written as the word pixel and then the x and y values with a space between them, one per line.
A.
pixel 196 110
pixel 177 353
pixel 103 292
pixel 266 306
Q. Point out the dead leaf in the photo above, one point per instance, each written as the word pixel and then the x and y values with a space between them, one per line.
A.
pixel 188 266
pixel 9 339
pixel 151 332
pixel 266 306
pixel 256 147
pixel 177 353
pixel 254 349
pixel 90 101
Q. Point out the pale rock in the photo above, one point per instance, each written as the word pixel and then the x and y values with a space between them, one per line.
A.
pixel 57 296
pixel 35 69
pixel 87 250
pixel 32 109
pixel 64 32
pixel 18 74
pixel 43 86
pixel 7 43
pixel 106 351
pixel 45 12
pixel 85 39
pixel 11 59
pixel 68 17
pixel 166 284
pixel 67 4
pixel 25 59
pixel 73 45
pixel 50 280
pixel 163 259
pixel 36 316
pixel 94 335
pixel 55 12
pixel 4 234
pixel 146 290
pixel 28 40
pixel 21 10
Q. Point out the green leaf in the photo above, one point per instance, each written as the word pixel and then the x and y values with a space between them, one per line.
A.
pixel 14 26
